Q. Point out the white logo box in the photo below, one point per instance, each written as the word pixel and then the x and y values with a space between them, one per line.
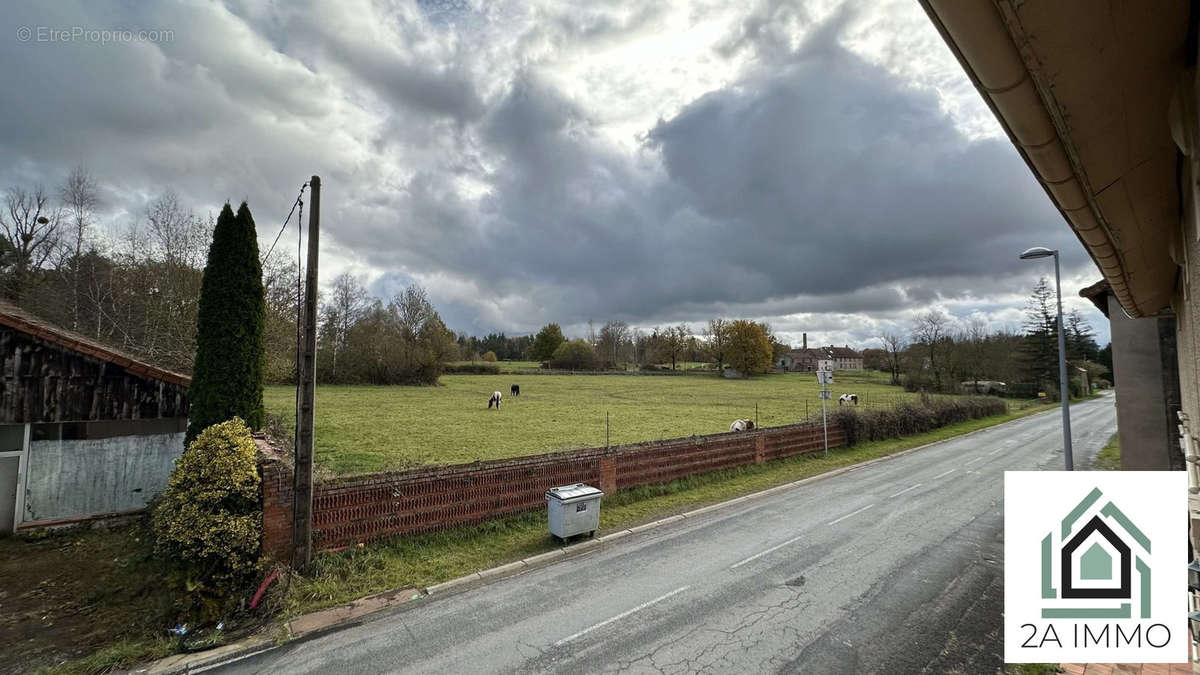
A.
pixel 1129 525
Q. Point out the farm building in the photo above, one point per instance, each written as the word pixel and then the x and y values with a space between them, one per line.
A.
pixel 845 358
pixel 805 360
pixel 85 431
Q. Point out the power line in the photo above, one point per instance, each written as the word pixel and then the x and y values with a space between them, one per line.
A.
pixel 285 222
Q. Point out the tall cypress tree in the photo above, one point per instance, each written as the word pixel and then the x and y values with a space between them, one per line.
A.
pixel 227 378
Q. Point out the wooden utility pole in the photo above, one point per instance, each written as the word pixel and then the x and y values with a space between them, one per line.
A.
pixel 303 487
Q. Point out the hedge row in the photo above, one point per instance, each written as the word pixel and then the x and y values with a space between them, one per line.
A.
pixel 905 419
pixel 472 369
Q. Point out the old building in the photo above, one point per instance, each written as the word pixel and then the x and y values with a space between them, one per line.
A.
pixel 85 431
pixel 845 358
pixel 806 360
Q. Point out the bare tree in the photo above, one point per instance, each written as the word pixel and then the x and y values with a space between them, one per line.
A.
pixel 31 232
pixel 929 330
pixel 894 345
pixel 717 337
pixel 348 300
pixel 80 197
pixel 411 309
pixel 613 337
pixel 179 238
pixel 680 336
pixel 975 336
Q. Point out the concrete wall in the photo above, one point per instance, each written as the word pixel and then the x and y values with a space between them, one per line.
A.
pixel 73 479
pixel 1185 252
pixel 1147 379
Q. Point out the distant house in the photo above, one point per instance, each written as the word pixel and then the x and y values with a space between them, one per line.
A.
pixel 845 358
pixel 805 360
pixel 85 431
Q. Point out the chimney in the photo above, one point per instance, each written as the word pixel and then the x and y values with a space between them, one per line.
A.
pixel 805 336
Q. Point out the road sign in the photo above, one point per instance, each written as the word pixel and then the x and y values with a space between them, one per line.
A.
pixel 826 394
pixel 825 376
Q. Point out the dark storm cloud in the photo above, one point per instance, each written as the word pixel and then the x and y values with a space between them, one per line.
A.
pixel 812 183
pixel 793 190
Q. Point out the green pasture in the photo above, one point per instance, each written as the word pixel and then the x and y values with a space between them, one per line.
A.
pixel 365 428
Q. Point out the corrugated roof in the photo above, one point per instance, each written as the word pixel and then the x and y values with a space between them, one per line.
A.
pixel 18 319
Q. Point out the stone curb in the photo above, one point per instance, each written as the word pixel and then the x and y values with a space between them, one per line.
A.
pixel 190 663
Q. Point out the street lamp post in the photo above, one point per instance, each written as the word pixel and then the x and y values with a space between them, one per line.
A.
pixel 1064 391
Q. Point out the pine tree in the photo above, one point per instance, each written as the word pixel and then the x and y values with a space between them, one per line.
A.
pixel 1039 353
pixel 227 378
pixel 1081 340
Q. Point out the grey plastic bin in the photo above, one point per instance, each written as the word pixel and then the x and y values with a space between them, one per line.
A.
pixel 573 509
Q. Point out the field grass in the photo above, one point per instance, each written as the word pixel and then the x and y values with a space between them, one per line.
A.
pixel 427 559
pixel 363 428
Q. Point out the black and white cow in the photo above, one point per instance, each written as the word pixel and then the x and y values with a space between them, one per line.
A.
pixel 848 398
pixel 515 390
pixel 494 399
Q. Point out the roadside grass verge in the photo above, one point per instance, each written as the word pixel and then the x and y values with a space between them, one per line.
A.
pixel 1109 458
pixel 424 560
pixel 120 655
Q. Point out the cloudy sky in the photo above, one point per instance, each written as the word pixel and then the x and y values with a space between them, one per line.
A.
pixel 824 166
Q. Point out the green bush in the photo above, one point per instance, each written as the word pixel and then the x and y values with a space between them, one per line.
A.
pixel 575 355
pixel 207 521
pixel 472 368
pixel 906 419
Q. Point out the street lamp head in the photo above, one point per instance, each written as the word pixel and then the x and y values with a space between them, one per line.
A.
pixel 1037 252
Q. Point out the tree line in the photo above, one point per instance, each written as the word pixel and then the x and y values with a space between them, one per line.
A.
pixel 138 290
pixel 939 353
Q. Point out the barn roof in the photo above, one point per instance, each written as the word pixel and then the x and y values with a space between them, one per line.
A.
pixel 843 353
pixel 18 319
pixel 1098 293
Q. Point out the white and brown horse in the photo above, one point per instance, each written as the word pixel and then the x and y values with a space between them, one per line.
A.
pixel 494 399
pixel 741 425
pixel 848 399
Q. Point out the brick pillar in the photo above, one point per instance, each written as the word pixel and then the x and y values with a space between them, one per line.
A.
pixel 277 509
pixel 760 449
pixel 608 475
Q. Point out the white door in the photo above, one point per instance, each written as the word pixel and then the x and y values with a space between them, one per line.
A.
pixel 8 492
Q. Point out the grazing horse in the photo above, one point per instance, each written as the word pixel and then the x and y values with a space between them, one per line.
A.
pixel 848 398
pixel 515 390
pixel 741 425
pixel 494 399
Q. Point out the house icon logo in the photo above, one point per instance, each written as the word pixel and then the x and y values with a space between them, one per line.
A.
pixel 1094 566
pixel 1103 558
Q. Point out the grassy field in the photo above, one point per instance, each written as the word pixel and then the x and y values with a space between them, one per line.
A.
pixel 362 429
pixel 426 559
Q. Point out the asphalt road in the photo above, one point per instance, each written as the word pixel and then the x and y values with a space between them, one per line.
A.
pixel 891 568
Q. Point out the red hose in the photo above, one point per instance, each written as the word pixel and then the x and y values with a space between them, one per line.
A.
pixel 263 588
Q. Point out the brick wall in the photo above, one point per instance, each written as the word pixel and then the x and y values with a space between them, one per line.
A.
pixel 362 508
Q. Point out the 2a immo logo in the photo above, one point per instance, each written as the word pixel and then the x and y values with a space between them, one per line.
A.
pixel 1095 567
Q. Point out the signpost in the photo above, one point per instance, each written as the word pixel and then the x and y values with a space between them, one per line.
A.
pixel 825 377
